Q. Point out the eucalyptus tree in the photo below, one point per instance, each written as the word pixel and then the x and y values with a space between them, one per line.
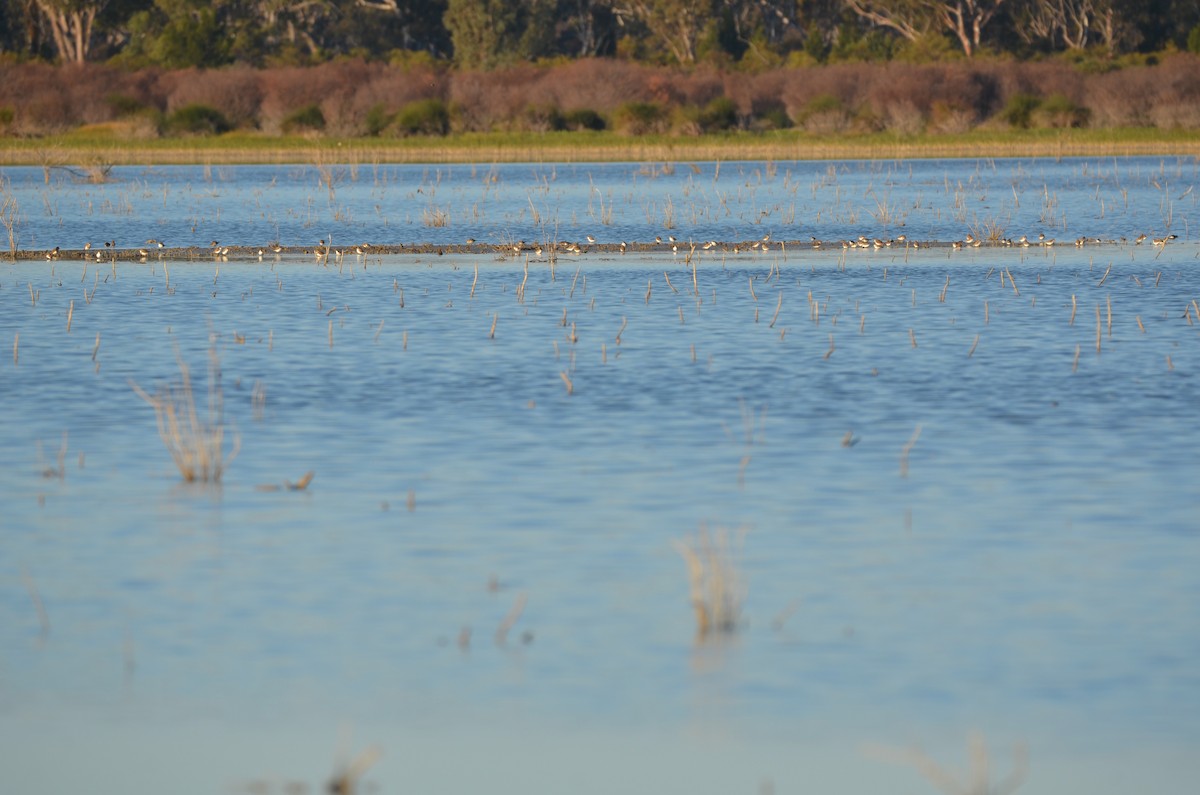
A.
pixel 491 33
pixel 71 23
pixel 913 19
pixel 677 25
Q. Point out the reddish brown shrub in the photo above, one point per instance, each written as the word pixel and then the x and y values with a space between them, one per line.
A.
pixel 596 84
pixel 37 96
pixel 235 91
pixel 845 82
pixel 388 87
pixel 1122 98
pixel 495 100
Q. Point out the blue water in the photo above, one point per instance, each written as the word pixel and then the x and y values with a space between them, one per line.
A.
pixel 1031 574
pixel 298 205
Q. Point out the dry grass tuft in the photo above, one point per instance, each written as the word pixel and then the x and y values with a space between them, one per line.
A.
pixel 197 445
pixel 978 780
pixel 716 586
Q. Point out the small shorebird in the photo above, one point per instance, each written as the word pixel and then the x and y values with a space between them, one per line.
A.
pixel 591 239
pixel 1158 241
pixel 1140 239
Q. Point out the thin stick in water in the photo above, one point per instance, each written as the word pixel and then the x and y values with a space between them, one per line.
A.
pixel 35 597
pixel 778 306
pixel 907 449
pixel 510 619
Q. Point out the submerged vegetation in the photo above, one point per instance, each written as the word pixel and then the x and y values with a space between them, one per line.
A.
pixel 714 578
pixel 196 443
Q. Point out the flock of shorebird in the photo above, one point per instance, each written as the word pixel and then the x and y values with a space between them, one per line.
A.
pixel 324 251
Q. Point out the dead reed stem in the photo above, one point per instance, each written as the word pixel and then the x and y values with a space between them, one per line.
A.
pixel 1075 362
pixel 778 306
pixel 1098 328
pixel 70 314
pixel 971 352
pixel 510 619
pixel 196 445
pixel 38 606
pixel 1073 308
pixel 715 584
pixel 907 449
pixel 978 781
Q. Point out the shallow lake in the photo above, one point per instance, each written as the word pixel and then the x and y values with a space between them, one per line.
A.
pixel 959 486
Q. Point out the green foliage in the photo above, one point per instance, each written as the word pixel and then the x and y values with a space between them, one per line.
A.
pixel 306 119
pixel 719 114
pixel 378 119
pixel 640 118
pixel 123 105
pixel 423 117
pixel 544 118
pixel 177 34
pixel 491 33
pixel 583 119
pixel 822 103
pixel 1019 109
pixel 196 120
pixel 1060 111
pixel 1193 40
pixel 816 45
pixel 773 117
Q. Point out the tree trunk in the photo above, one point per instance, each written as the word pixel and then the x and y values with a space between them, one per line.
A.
pixel 71 28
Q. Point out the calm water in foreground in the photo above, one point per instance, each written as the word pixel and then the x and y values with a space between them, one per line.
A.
pixel 1009 546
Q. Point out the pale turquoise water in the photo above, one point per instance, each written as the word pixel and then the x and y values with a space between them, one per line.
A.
pixel 1034 576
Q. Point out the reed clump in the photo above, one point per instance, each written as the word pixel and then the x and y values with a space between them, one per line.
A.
pixel 715 580
pixel 197 444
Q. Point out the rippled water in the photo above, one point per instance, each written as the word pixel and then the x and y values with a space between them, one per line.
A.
pixel 298 205
pixel 1031 575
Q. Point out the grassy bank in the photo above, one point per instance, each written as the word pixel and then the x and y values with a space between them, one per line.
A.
pixel 108 147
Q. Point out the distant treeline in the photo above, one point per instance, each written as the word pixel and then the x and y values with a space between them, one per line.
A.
pixel 354 97
pixel 485 34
